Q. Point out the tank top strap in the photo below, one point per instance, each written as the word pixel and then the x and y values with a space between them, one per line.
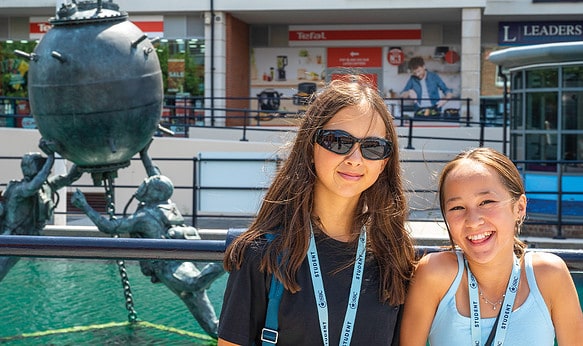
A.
pixel 530 278
pixel 460 269
pixel 528 266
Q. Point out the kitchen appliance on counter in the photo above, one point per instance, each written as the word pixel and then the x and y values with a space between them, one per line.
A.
pixel 281 64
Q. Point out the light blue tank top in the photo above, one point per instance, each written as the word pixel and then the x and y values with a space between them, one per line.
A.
pixel 529 325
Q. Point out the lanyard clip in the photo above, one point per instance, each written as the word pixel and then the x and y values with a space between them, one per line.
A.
pixel 269 335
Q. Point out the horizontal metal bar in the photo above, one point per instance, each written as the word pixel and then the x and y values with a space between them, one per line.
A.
pixel 111 248
pixel 167 249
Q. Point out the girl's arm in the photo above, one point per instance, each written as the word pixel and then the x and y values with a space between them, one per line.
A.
pixel 558 290
pixel 223 342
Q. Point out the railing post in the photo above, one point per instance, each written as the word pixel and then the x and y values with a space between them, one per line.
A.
pixel 410 136
pixel 560 202
pixel 245 119
pixel 195 190
pixel 467 112
pixel 402 111
pixel 482 126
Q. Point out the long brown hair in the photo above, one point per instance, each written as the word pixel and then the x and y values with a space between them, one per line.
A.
pixel 287 206
pixel 507 173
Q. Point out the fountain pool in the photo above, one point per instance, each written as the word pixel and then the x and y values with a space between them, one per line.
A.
pixel 80 302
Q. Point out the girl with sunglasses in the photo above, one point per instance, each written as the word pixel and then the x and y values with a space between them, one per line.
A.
pixel 488 290
pixel 337 211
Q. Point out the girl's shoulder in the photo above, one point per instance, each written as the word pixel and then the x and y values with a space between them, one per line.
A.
pixel 438 267
pixel 548 266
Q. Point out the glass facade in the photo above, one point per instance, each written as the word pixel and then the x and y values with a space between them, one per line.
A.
pixel 547 117
pixel 546 136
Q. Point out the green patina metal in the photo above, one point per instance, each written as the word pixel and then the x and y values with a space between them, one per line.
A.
pixel 95 86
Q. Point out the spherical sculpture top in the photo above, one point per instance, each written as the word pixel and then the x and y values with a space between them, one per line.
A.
pixel 95 87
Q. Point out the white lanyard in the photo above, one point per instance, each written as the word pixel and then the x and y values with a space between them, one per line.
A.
pixel 320 294
pixel 506 307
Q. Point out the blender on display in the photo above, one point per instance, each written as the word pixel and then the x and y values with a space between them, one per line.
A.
pixel 281 64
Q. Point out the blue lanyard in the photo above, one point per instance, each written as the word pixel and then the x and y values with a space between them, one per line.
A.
pixel 506 307
pixel 320 294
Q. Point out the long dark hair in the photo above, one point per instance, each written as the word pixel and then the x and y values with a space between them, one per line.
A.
pixel 287 206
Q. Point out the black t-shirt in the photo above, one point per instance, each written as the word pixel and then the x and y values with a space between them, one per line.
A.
pixel 245 301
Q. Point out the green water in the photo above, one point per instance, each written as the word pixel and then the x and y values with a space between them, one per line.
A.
pixel 40 295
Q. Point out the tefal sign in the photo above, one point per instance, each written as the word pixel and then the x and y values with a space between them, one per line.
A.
pixel 355 57
pixel 354 35
pixel 153 26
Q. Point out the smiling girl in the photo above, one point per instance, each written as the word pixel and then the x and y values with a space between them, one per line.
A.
pixel 337 210
pixel 488 290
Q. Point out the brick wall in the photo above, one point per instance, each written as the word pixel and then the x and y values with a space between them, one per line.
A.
pixel 488 81
pixel 237 69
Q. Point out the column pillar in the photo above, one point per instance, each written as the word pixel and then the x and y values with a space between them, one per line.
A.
pixel 470 60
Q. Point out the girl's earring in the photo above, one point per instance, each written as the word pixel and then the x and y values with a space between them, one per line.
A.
pixel 518 224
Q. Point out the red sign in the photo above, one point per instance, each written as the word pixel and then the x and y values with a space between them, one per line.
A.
pixel 37 27
pixel 395 56
pixel 354 35
pixel 355 57
pixel 151 25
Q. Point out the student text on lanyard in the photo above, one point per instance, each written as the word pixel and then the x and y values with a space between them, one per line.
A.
pixel 320 294
pixel 505 309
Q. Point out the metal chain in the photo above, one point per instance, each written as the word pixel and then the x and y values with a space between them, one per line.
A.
pixel 125 281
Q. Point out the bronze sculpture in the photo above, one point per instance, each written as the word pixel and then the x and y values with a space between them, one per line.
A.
pixel 29 203
pixel 157 217
pixel 95 87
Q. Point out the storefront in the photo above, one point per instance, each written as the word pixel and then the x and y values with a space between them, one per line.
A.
pixel 319 53
pixel 181 54
pixel 546 134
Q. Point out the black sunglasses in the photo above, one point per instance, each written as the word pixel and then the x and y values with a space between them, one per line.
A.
pixel 341 142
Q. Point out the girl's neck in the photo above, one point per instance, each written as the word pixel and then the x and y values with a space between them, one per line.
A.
pixel 492 277
pixel 336 218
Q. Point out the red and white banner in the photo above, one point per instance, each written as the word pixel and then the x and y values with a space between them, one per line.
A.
pixel 354 35
pixel 355 57
pixel 37 27
pixel 153 26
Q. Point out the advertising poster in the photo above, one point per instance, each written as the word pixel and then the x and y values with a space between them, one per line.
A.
pixel 440 67
pixel 175 75
pixel 281 78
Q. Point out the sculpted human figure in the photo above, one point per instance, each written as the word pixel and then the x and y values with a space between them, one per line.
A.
pixel 158 217
pixel 29 203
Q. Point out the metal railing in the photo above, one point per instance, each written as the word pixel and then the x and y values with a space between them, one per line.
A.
pixel 167 249
pixel 559 218
pixel 181 113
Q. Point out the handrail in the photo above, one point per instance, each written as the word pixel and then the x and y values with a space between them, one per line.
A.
pixel 111 248
pixel 167 249
pixel 557 219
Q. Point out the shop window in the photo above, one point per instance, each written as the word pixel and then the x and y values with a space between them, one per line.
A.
pixel 13 68
pixel 573 77
pixel 516 111
pixel 541 110
pixel 572 110
pixel 541 147
pixel 573 149
pixel 542 78
pixel 517 149
pixel 182 64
